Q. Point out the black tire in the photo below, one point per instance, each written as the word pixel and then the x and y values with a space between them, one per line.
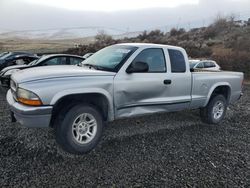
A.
pixel 206 113
pixel 64 128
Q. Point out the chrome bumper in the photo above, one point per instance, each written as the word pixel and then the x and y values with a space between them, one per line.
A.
pixel 29 116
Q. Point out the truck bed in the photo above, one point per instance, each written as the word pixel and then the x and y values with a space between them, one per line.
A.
pixel 204 83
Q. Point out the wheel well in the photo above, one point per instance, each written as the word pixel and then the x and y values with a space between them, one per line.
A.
pixel 67 102
pixel 222 90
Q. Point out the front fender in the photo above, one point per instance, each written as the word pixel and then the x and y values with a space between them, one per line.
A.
pixel 103 92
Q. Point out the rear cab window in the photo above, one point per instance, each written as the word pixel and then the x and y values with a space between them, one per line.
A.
pixel 177 61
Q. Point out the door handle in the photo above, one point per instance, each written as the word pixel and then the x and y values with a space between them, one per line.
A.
pixel 167 82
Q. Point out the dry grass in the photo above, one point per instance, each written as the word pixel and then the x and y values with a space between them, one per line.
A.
pixel 41 46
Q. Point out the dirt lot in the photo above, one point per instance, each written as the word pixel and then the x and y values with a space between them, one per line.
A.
pixel 173 149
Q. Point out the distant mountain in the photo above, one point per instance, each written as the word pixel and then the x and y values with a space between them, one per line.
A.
pixel 65 33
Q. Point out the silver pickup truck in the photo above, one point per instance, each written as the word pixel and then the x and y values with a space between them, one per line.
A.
pixel 119 81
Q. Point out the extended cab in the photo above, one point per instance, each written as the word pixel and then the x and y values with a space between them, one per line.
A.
pixel 118 81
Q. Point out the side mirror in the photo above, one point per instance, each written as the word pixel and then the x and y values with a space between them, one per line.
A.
pixel 137 67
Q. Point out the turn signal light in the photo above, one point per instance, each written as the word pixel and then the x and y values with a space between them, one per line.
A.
pixel 30 102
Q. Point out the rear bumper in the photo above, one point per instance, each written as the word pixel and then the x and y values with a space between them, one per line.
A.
pixel 29 116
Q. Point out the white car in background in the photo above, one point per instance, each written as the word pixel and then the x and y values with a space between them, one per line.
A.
pixel 204 65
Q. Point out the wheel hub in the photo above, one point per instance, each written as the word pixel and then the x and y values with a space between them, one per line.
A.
pixel 218 110
pixel 84 128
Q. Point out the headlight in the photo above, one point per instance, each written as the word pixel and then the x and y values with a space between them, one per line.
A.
pixel 9 72
pixel 13 85
pixel 27 97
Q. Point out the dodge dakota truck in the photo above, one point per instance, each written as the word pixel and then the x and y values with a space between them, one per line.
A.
pixel 119 81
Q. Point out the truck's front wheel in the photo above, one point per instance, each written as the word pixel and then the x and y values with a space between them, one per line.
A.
pixel 215 110
pixel 80 130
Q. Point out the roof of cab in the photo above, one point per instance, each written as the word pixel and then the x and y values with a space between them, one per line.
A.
pixel 151 45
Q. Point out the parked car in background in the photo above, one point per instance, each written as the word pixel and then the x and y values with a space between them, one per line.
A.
pixel 46 60
pixel 87 55
pixel 119 81
pixel 2 54
pixel 16 58
pixel 204 65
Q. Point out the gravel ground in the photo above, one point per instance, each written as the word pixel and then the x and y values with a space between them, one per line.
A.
pixel 164 150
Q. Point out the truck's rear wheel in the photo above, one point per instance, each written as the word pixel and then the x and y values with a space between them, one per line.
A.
pixel 215 110
pixel 80 130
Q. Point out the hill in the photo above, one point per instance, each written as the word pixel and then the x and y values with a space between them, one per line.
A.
pixel 55 40
pixel 226 41
pixel 62 33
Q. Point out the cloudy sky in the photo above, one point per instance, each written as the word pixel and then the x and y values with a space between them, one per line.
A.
pixel 124 15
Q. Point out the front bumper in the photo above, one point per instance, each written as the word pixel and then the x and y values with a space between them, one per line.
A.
pixel 29 116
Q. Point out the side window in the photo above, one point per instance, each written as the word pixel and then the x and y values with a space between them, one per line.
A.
pixel 155 59
pixel 20 62
pixel 178 63
pixel 209 64
pixel 56 61
pixel 200 65
pixel 75 60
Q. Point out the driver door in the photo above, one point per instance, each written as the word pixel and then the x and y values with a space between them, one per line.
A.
pixel 145 92
pixel 161 88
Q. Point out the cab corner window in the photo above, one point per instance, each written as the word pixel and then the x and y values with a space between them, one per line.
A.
pixel 155 59
pixel 178 63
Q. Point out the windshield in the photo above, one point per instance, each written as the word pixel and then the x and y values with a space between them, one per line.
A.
pixel 110 58
pixel 35 62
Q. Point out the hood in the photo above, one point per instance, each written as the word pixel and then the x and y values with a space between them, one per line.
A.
pixel 14 67
pixel 62 71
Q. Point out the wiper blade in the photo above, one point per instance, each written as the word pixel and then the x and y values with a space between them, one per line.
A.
pixel 94 66
pixel 89 65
